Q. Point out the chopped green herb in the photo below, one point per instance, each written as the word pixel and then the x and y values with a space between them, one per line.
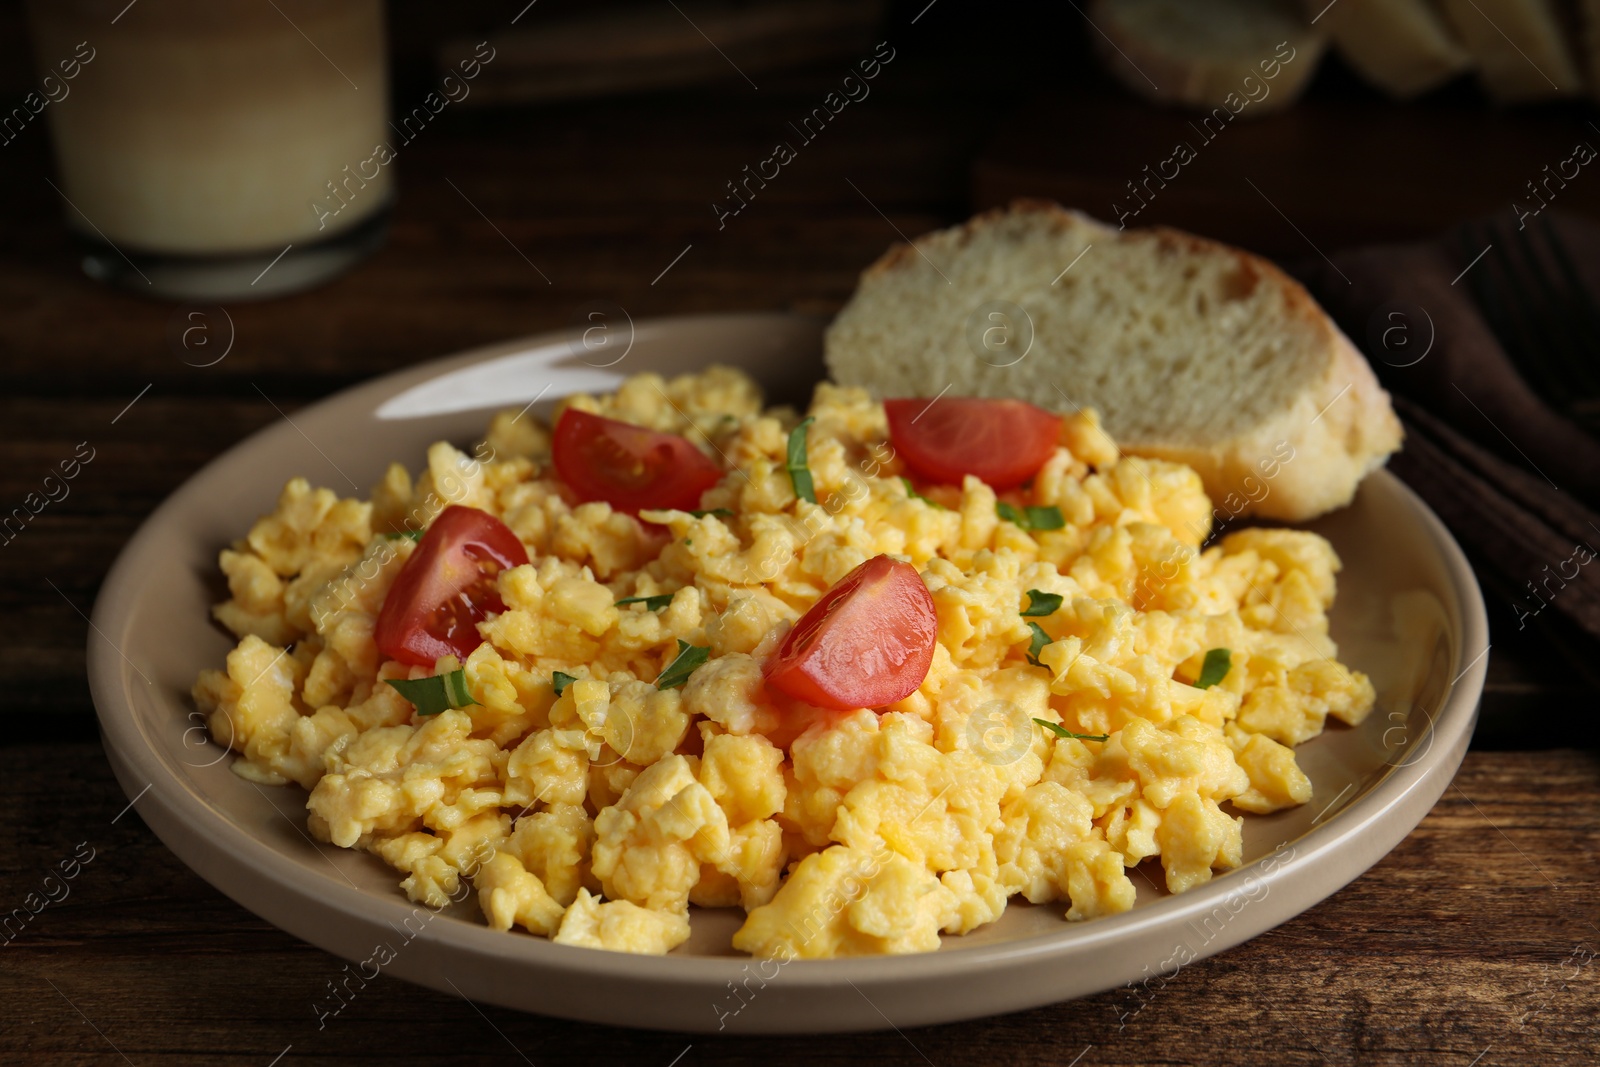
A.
pixel 559 680
pixel 415 535
pixel 1041 604
pixel 799 473
pixel 651 603
pixel 433 695
pixel 1045 518
pixel 1218 662
pixel 1062 731
pixel 678 671
pixel 1036 646
pixel 911 491
pixel 1048 517
pixel 721 513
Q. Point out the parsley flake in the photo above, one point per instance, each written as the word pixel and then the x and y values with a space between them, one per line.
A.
pixel 1215 668
pixel 911 491
pixel 799 473
pixel 721 513
pixel 1041 604
pixel 651 603
pixel 559 681
pixel 677 672
pixel 1036 646
pixel 430 696
pixel 1062 731
pixel 1047 517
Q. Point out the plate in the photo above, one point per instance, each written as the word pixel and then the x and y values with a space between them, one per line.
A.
pixel 152 635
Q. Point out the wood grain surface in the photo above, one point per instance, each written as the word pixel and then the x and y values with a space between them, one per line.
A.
pixel 1470 944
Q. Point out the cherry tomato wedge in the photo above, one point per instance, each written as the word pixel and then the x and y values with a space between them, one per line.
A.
pixel 868 642
pixel 447 587
pixel 629 467
pixel 1003 442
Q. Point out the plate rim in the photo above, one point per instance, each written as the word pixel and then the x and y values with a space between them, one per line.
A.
pixel 241 865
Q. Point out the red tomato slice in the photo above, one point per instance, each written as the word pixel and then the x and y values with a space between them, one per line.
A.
pixel 447 587
pixel 1003 442
pixel 629 467
pixel 868 642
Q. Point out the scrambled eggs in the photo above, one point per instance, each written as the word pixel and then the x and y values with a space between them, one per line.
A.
pixel 598 816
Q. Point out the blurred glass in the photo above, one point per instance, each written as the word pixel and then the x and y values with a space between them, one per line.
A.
pixel 218 150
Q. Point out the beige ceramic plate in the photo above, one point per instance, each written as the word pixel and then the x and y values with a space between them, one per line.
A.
pixel 152 634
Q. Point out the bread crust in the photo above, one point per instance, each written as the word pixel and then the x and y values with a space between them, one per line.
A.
pixel 1301 462
pixel 1307 461
pixel 1337 432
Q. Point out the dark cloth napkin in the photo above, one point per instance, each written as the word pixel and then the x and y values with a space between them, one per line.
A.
pixel 1517 482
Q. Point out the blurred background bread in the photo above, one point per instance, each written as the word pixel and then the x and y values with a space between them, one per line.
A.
pixel 1403 47
pixel 1194 53
pixel 1523 49
pixel 1203 52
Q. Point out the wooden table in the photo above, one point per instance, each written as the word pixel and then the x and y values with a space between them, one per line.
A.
pixel 1470 944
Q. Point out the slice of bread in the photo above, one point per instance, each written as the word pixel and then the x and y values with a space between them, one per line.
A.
pixel 1401 46
pixel 1190 350
pixel 1202 52
pixel 1518 46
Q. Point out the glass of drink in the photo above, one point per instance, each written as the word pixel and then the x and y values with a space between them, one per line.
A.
pixel 218 150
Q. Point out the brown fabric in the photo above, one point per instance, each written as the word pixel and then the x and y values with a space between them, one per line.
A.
pixel 1538 541
pixel 1515 481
